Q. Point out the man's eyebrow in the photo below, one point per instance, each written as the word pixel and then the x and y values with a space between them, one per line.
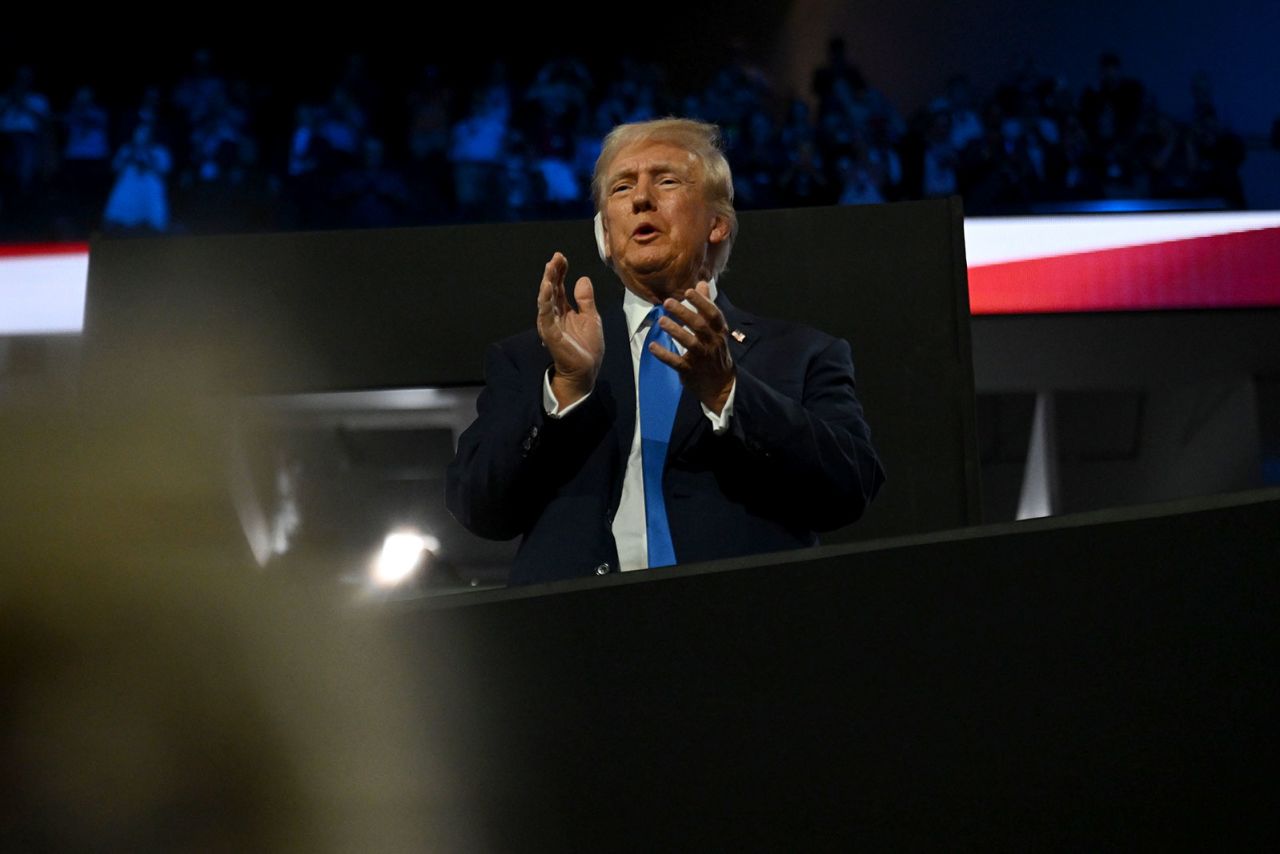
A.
pixel 655 168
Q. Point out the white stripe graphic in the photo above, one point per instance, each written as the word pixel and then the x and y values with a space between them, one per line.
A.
pixel 43 294
pixel 998 240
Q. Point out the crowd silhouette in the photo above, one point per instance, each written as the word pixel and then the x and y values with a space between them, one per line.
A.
pixel 205 153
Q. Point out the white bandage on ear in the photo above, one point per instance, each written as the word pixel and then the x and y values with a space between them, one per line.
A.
pixel 598 224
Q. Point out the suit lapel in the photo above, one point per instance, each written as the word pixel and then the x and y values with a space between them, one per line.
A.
pixel 741 323
pixel 689 418
pixel 618 380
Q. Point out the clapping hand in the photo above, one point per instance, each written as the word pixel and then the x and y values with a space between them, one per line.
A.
pixel 575 339
pixel 706 368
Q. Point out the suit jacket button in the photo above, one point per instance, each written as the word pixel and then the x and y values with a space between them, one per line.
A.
pixel 602 569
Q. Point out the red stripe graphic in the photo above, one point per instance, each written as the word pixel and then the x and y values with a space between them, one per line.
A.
pixel 1239 270
pixel 22 250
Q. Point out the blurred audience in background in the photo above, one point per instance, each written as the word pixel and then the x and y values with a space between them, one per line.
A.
pixel 139 199
pixel 204 154
pixel 25 129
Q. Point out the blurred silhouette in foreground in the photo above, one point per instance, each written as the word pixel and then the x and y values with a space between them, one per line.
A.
pixel 162 694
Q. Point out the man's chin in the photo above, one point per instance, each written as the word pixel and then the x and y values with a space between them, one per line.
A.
pixel 653 270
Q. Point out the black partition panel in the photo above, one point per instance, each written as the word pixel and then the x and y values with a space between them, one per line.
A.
pixel 1076 683
pixel 343 310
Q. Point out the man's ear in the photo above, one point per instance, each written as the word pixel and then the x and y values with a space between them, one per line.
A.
pixel 602 239
pixel 719 230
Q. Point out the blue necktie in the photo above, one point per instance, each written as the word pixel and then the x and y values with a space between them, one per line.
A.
pixel 659 396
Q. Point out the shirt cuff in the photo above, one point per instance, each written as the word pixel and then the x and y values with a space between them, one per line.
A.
pixel 552 406
pixel 719 423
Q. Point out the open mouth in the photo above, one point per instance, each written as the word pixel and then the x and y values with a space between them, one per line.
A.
pixel 644 230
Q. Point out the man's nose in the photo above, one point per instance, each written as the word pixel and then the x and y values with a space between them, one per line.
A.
pixel 642 196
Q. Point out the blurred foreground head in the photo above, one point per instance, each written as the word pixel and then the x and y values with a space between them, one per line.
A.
pixel 159 693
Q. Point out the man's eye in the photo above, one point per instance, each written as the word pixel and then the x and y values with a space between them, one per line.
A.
pixel 619 188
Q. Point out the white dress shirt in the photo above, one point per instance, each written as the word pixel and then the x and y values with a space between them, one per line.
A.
pixel 629 530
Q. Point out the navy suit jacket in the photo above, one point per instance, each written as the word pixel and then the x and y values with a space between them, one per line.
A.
pixel 796 459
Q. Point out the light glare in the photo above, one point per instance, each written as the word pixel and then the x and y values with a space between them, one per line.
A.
pixel 401 555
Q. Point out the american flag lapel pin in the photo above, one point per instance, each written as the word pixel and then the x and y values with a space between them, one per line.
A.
pixel 738 336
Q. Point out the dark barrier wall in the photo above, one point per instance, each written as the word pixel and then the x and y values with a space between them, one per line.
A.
pixel 1149 406
pixel 1068 684
pixel 416 307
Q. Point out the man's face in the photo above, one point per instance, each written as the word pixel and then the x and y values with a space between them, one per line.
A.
pixel 657 220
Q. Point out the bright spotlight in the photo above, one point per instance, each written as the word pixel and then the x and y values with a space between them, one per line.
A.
pixel 401 556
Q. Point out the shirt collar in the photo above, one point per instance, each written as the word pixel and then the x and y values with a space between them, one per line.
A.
pixel 637 308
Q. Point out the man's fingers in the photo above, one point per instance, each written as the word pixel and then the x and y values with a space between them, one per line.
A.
pixel 585 296
pixel 545 289
pixel 667 356
pixel 684 314
pixel 558 295
pixel 555 269
pixel 558 266
pixel 551 298
pixel 704 319
pixel 553 284
pixel 701 299
pixel 678 332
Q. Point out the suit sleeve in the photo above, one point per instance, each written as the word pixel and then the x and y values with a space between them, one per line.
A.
pixel 513 457
pixel 816 452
